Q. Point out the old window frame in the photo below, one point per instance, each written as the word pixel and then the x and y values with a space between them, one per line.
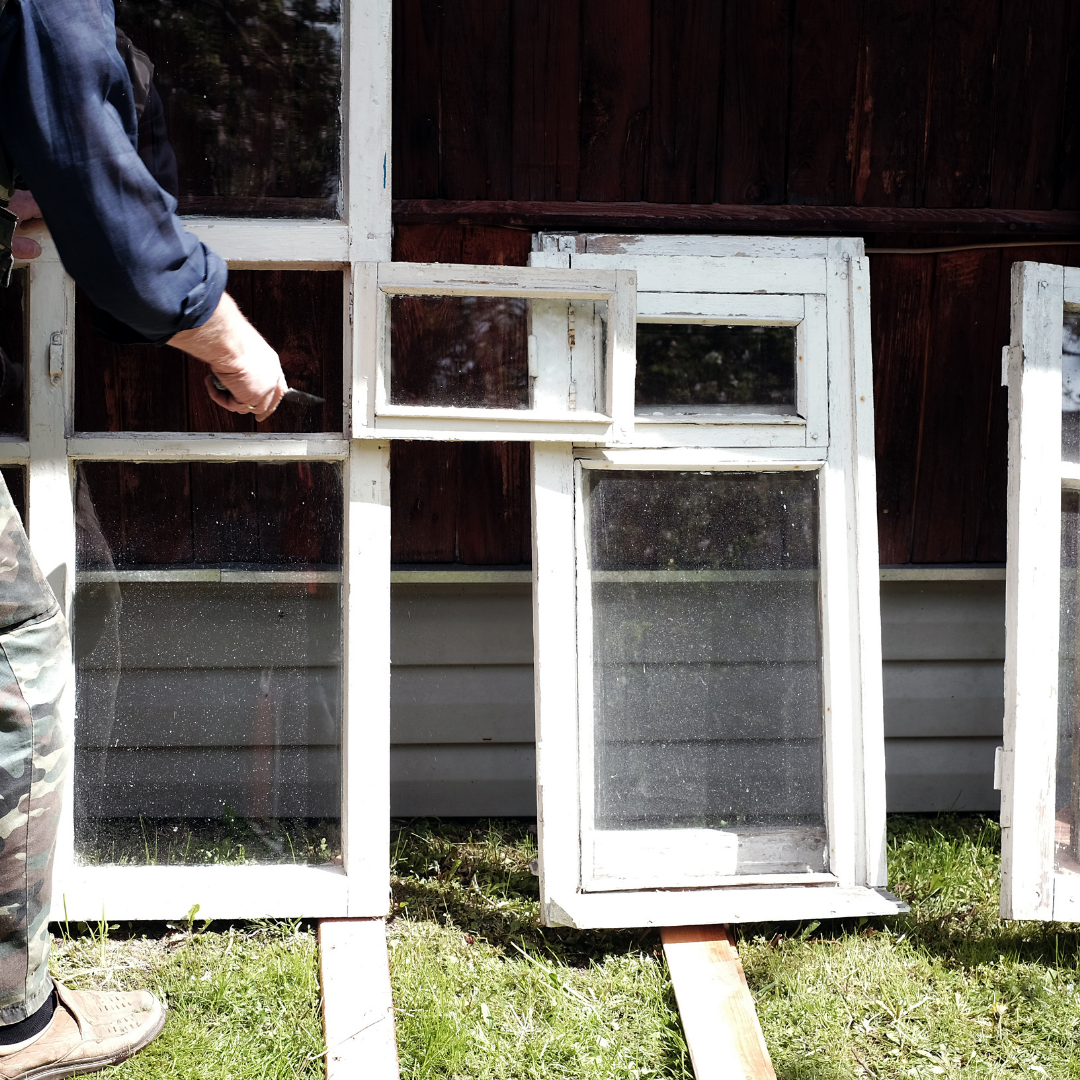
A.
pixel 373 410
pixel 360 886
pixel 1031 886
pixel 852 707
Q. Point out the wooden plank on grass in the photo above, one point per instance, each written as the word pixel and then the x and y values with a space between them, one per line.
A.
pixel 358 1011
pixel 718 1015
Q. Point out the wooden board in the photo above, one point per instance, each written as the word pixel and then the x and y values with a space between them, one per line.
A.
pixel 715 1005
pixel 358 1008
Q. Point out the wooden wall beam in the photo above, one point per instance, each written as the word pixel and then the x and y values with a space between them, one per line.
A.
pixel 716 217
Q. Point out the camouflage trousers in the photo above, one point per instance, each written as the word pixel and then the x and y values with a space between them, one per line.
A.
pixel 34 665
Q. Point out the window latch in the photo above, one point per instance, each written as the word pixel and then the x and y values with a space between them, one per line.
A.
pixel 56 356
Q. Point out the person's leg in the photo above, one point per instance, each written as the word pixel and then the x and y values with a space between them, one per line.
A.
pixel 34 666
pixel 46 1030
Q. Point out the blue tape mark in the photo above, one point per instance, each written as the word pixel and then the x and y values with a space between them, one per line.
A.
pixel 384 170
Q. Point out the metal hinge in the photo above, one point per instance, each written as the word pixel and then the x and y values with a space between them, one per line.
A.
pixel 999 765
pixel 570 326
pixel 560 242
pixel 56 356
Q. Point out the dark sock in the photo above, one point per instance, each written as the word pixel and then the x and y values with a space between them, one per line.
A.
pixel 28 1028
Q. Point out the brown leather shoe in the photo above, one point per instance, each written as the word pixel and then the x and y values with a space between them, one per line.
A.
pixel 89 1030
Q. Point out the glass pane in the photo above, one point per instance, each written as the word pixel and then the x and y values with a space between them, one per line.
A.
pixel 1067 803
pixel 13 387
pixel 707 653
pixel 15 479
pixel 244 114
pixel 207 636
pixel 1070 389
pixel 473 352
pixel 686 369
pixel 145 388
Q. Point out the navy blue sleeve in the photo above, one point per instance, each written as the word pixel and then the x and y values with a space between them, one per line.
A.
pixel 68 126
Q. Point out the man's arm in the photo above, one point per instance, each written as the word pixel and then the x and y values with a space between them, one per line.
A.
pixel 69 128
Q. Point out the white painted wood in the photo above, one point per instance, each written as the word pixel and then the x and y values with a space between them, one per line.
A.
pixel 14 451
pixel 720 430
pixel 1032 594
pixel 453 279
pixel 816 364
pixel 254 244
pixel 222 892
pixel 942 573
pixel 727 905
pixel 779 247
pixel 198 446
pixel 723 308
pixel 357 1004
pixel 706 458
pixel 367 314
pixel 871 864
pixel 366 122
pixel 472 425
pixel 696 858
pixel 1070 475
pixel 622 358
pixel 1072 288
pixel 663 273
pixel 555 685
pixel 50 498
pixel 551 385
pixel 366 706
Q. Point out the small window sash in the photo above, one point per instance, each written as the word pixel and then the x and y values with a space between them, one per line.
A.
pixel 371 403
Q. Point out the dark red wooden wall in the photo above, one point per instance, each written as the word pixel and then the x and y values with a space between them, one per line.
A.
pixel 910 104
pixel 936 103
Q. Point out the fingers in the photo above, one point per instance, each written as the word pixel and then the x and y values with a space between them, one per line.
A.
pixel 263 405
pixel 22 247
pixel 24 206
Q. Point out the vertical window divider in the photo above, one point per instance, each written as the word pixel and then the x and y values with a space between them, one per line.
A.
pixel 50 488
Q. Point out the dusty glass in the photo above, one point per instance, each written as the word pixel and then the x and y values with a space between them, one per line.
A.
pixel 1067 800
pixel 13 326
pixel 497 352
pixel 1070 389
pixel 207 637
pixel 687 369
pixel 137 387
pixel 243 116
pixel 706 642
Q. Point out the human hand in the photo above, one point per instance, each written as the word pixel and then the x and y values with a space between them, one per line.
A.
pixel 25 208
pixel 238 357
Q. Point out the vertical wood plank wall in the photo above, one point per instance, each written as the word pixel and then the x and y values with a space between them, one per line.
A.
pixel 841 102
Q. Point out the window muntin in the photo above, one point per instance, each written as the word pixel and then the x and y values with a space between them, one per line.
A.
pixel 146 388
pixel 207 638
pixel 252 114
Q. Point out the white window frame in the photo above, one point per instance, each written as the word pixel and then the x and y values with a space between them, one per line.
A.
pixel 373 409
pixel 360 886
pixel 852 706
pixel 1031 887
pixel 712 280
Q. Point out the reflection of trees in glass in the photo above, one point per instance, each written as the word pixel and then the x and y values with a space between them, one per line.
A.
pixel 251 91
pixel 463 351
pixel 687 364
pixel 701 521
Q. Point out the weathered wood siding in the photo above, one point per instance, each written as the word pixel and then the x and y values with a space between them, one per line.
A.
pixel 835 102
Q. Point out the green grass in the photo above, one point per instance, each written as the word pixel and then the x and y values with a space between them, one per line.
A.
pixel 243 1000
pixel 482 991
pixel 224 841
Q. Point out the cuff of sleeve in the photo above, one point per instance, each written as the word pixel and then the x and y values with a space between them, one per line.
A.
pixel 202 301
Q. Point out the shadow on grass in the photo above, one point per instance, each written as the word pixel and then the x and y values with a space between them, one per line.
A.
pixel 475 876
